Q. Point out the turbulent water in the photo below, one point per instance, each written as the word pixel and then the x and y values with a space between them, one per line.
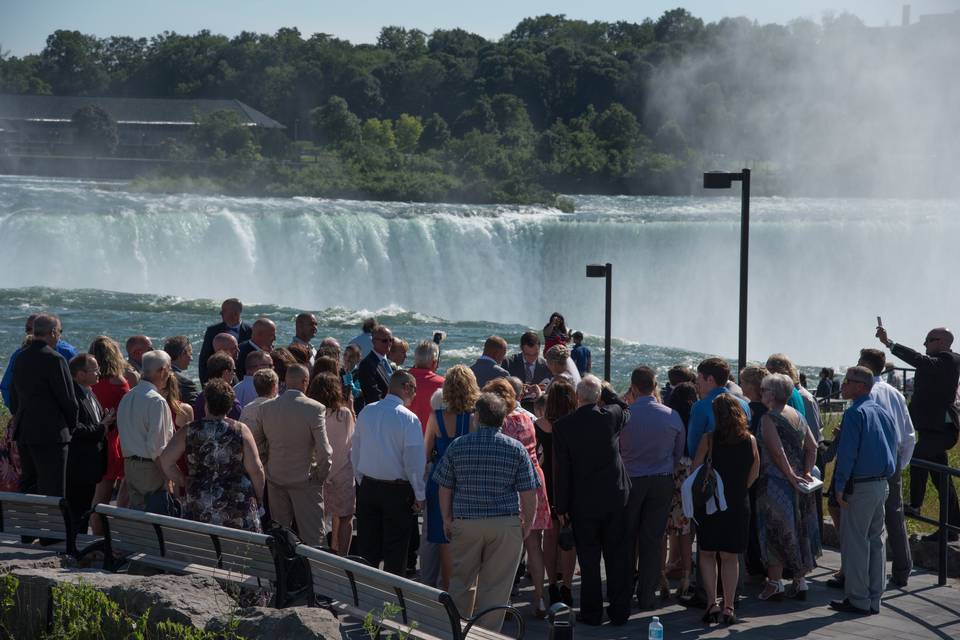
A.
pixel 821 270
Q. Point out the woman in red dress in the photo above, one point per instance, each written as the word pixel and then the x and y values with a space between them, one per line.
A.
pixel 109 390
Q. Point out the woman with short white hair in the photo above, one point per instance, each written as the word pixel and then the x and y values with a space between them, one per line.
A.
pixel 786 516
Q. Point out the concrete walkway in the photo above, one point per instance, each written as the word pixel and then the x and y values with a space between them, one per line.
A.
pixel 921 610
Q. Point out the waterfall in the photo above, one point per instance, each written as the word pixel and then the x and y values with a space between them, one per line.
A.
pixel 821 270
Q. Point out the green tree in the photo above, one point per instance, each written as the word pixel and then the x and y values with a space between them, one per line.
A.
pixel 221 134
pixel 71 64
pixel 379 133
pixel 670 139
pixel 96 131
pixel 408 131
pixel 334 124
pixel 617 127
pixel 677 25
pixel 436 132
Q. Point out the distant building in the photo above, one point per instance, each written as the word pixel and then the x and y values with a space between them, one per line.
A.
pixel 43 124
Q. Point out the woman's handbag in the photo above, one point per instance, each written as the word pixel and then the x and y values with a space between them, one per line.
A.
pixel 705 485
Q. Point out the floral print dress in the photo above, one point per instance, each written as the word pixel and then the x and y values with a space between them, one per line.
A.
pixel 219 490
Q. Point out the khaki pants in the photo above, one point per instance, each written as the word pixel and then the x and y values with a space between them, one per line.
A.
pixel 141 477
pixel 486 554
pixel 301 502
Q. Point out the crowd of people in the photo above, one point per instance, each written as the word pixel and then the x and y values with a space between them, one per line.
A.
pixel 517 456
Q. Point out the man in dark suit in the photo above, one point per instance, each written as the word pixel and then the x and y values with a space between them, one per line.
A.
pixel 374 371
pixel 591 493
pixel 230 312
pixel 44 407
pixel 263 336
pixel 528 365
pixel 87 455
pixel 934 413
pixel 181 353
pixel 487 366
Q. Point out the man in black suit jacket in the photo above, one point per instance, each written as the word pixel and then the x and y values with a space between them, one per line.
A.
pixel 486 368
pixel 44 406
pixel 262 339
pixel 181 353
pixel 591 493
pixel 934 413
pixel 87 455
pixel 374 371
pixel 230 311
pixel 528 365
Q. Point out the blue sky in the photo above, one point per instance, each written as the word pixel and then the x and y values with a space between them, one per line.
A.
pixel 25 24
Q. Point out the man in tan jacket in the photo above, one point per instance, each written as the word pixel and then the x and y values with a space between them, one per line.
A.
pixel 292 440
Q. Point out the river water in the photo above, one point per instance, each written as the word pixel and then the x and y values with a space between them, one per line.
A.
pixel 115 262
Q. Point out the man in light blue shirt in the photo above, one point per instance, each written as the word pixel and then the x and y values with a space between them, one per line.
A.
pixel 712 376
pixel 651 445
pixel 866 458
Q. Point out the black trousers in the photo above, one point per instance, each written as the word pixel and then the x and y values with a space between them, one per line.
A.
pixel 384 524
pixel 79 500
pixel 606 535
pixel 43 469
pixel 933 446
pixel 647 513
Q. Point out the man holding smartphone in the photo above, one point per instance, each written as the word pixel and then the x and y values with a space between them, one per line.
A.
pixel 934 413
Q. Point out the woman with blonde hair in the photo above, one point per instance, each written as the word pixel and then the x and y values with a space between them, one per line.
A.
pixel 111 387
pixel 454 419
pixel 519 426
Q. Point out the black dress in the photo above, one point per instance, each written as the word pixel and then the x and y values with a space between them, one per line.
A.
pixel 729 530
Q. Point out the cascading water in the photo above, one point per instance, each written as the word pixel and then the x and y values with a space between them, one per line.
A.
pixel 820 272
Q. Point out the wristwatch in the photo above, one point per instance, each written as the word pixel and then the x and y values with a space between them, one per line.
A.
pixel 890 344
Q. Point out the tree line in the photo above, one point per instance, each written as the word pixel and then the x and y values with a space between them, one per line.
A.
pixel 555 105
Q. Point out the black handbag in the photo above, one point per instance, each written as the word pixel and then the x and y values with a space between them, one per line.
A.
pixel 705 486
pixel 162 502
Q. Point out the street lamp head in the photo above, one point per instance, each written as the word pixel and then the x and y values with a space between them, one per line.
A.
pixel 596 271
pixel 720 179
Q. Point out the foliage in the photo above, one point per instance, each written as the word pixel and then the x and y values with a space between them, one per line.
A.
pixel 81 612
pixel 8 591
pixel 221 135
pixel 96 130
pixel 373 623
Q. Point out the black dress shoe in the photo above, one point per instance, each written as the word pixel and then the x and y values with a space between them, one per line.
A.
pixel 845 606
pixel 874 612
pixel 935 536
pixel 835 582
pixel 911 511
pixel 566 596
pixel 896 583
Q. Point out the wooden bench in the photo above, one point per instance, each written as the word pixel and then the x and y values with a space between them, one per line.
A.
pixel 176 545
pixel 358 589
pixel 45 517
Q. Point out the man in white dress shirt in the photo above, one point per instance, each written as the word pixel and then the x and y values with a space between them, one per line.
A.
pixel 145 426
pixel 388 460
pixel 894 403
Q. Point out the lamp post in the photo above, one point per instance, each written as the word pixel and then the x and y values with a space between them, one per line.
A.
pixel 722 180
pixel 604 271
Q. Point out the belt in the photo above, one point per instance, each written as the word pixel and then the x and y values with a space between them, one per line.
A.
pixel 377 480
pixel 870 479
pixel 138 459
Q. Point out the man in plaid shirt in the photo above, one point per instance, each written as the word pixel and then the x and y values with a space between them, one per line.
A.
pixel 488 497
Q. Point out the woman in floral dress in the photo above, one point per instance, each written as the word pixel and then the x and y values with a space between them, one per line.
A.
pixel 225 477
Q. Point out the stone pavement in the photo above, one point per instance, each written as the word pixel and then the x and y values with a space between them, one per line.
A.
pixel 921 610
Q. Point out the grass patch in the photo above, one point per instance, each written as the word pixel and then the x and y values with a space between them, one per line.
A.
pixel 931 500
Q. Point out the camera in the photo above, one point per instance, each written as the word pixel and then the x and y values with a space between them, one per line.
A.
pixel 439 336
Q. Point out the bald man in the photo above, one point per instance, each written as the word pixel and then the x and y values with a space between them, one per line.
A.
pixel 230 312
pixel 933 411
pixel 262 339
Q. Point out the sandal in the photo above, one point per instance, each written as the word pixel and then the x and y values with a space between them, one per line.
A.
pixel 729 618
pixel 772 590
pixel 540 610
pixel 797 590
pixel 712 614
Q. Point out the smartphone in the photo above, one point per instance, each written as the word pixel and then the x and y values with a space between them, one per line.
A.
pixel 879 322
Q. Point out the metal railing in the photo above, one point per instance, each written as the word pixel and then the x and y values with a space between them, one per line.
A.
pixel 945 475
